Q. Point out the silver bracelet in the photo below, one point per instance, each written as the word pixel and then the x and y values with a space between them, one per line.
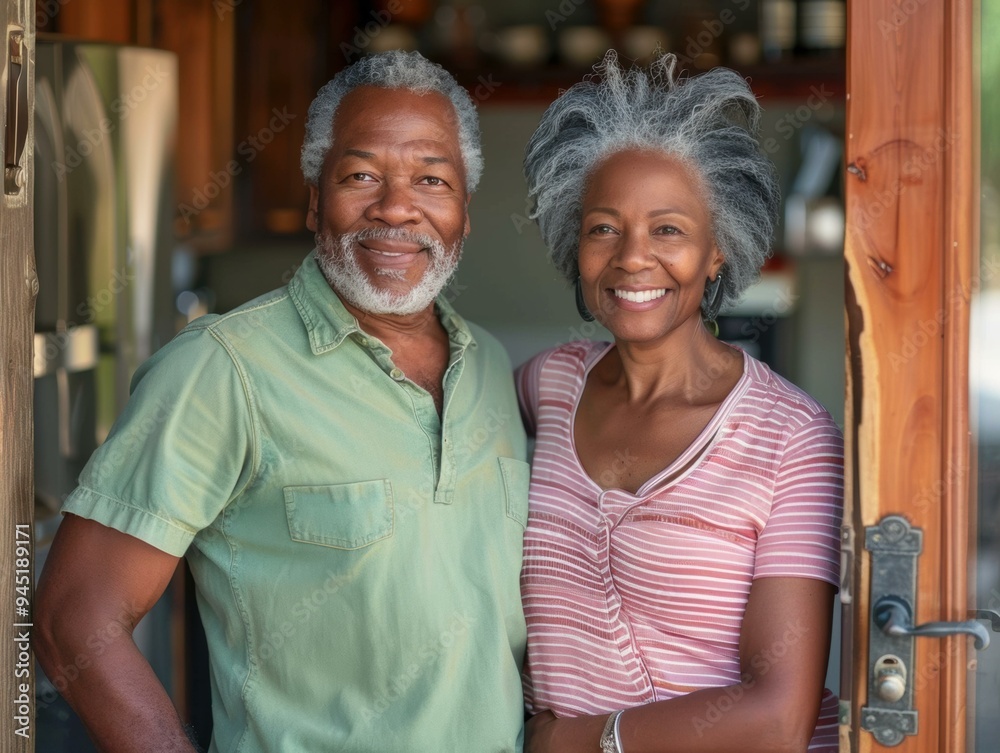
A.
pixel 610 742
pixel 618 738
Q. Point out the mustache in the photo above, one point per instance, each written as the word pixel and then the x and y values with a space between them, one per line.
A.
pixel 390 234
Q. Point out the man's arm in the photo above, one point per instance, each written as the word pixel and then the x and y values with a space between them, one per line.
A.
pixel 96 586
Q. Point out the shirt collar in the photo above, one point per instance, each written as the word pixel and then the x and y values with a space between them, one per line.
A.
pixel 329 323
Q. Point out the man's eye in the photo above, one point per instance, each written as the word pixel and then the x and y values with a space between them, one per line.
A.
pixel 432 180
pixel 361 177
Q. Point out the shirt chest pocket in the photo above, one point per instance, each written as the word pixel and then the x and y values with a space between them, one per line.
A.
pixel 516 477
pixel 342 516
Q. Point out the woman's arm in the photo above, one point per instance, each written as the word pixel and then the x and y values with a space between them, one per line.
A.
pixel 784 646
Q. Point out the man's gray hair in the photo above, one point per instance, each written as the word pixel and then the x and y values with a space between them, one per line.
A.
pixel 394 69
pixel 709 121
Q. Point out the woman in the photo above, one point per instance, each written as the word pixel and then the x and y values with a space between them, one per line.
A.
pixel 682 548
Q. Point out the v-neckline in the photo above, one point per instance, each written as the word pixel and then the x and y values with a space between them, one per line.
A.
pixel 683 464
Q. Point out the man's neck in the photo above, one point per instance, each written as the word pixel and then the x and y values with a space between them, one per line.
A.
pixel 390 327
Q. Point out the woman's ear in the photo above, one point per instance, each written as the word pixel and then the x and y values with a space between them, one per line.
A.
pixel 718 259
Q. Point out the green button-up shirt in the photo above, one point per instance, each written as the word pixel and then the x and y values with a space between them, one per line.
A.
pixel 356 554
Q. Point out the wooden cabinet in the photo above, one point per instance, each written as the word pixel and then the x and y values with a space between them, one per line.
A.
pixel 249 69
pixel 203 37
pixel 281 63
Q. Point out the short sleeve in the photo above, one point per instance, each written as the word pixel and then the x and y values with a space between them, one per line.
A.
pixel 180 451
pixel 801 537
pixel 527 378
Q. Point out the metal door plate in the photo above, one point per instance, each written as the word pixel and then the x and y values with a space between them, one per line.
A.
pixel 894 545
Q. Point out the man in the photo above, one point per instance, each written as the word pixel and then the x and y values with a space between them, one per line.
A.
pixel 340 461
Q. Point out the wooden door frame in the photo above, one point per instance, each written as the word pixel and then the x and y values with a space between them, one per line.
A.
pixel 18 286
pixel 911 248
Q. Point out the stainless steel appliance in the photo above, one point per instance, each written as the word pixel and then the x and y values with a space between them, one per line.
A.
pixel 105 119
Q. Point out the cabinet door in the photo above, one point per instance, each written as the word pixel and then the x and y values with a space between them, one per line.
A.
pixel 203 37
pixel 281 63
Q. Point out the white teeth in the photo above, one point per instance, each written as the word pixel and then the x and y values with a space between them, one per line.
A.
pixel 640 296
pixel 385 253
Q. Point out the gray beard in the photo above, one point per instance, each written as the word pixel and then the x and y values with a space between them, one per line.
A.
pixel 337 260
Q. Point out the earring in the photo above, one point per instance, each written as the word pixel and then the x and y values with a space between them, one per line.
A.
pixel 581 305
pixel 712 303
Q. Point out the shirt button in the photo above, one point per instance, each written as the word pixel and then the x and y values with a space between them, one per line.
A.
pixel 364 342
pixel 398 375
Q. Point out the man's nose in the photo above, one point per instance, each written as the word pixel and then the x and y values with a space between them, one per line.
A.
pixel 395 204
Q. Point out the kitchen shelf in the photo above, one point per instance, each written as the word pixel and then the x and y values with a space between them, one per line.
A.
pixel 794 80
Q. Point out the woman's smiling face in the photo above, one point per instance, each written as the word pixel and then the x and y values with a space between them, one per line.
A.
pixel 646 245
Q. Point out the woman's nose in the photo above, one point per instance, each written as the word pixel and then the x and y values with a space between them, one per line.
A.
pixel 634 253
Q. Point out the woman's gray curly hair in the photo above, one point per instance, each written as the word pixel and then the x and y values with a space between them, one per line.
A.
pixel 394 69
pixel 709 121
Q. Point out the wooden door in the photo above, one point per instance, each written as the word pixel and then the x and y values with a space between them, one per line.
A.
pixel 912 257
pixel 18 285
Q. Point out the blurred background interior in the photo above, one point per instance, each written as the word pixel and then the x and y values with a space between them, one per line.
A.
pixel 168 186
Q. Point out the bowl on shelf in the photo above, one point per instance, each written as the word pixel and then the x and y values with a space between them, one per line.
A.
pixel 522 46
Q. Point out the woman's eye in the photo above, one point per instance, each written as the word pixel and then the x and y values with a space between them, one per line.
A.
pixel 602 230
pixel 669 230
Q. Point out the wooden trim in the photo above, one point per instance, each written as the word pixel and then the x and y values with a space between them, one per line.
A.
pixel 18 287
pixel 903 163
pixel 961 244
pixel 203 37
pixel 112 21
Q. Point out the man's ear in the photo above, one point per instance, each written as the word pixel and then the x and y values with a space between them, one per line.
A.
pixel 468 225
pixel 312 215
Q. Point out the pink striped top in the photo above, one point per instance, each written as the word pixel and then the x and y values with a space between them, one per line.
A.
pixel 637 598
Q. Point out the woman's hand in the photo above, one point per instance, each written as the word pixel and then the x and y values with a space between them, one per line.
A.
pixel 547 733
pixel 538 732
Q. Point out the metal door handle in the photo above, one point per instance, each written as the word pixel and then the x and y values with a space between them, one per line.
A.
pixel 895 545
pixel 988 614
pixel 893 616
pixel 16 127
